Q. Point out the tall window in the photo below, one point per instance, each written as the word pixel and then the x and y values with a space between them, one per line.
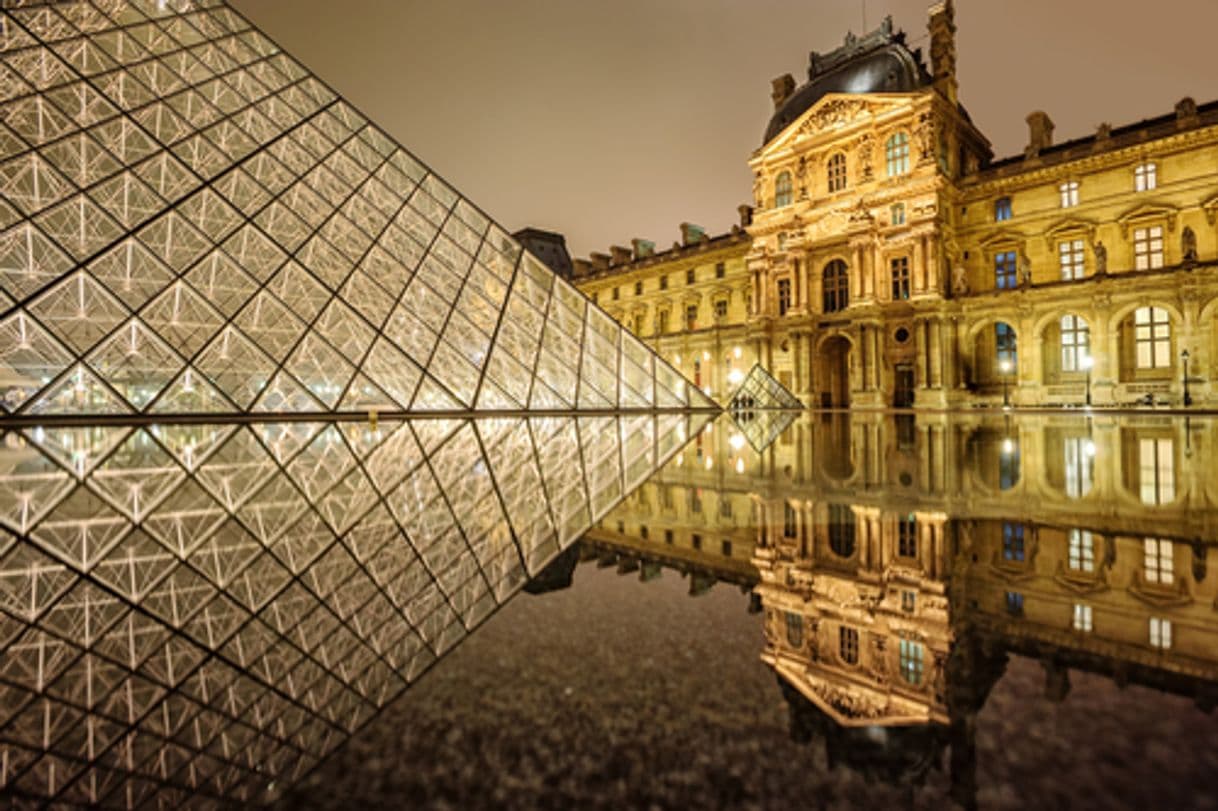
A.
pixel 1160 633
pixel 848 645
pixel 1004 270
pixel 1069 193
pixel 1082 618
pixel 691 317
pixel 1070 257
pixel 664 282
pixel 795 630
pixel 1152 337
pixel 836 171
pixel 1002 209
pixel 1012 542
pixel 638 288
pixel 1076 343
pixel 1004 344
pixel 784 296
pixel 662 325
pixel 782 190
pixel 1157 561
pixel 911 661
pixel 638 325
pixel 900 278
pixel 1157 471
pixel 841 530
pixel 617 294
pixel 1015 603
pixel 1008 465
pixel 790 526
pixel 720 270
pixel 721 308
pixel 691 276
pixel 1145 177
pixel 907 536
pixel 836 285
pixel 1148 248
pixel 896 154
pixel 1082 550
pixel 897 214
pixel 1080 464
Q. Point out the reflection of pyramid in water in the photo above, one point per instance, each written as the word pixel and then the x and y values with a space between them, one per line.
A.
pixel 200 611
pixel 195 224
pixel 762 408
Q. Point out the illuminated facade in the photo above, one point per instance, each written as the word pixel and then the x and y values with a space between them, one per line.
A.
pixel 893 261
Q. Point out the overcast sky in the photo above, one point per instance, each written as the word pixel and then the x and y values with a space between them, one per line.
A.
pixel 613 119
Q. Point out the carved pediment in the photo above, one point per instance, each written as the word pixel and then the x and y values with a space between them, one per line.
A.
pixel 1148 211
pixel 834 112
pixel 1070 226
pixel 1003 237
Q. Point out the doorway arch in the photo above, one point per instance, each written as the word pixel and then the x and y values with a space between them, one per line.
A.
pixel 833 372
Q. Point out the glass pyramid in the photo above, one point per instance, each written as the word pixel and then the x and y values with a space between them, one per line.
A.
pixel 763 408
pixel 193 224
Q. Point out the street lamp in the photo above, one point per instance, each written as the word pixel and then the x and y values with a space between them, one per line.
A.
pixel 1188 398
pixel 1087 363
pixel 1005 367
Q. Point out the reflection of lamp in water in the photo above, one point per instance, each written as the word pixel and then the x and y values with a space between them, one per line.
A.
pixel 1008 446
pixel 1004 366
pixel 735 376
pixel 739 464
pixel 1089 448
pixel 737 442
pixel 1086 362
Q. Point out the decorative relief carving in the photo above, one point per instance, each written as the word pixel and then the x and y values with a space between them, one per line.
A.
pixel 866 156
pixel 833 113
pixel 848 703
pixel 924 136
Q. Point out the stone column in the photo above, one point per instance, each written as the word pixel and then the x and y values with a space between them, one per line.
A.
pixel 875 359
pixel 936 353
pixel 921 347
pixel 919 265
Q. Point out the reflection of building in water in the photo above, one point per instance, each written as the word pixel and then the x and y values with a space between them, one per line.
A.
pixel 902 559
pixel 890 259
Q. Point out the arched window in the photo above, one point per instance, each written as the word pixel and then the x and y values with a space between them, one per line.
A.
pixel 1076 344
pixel 896 154
pixel 782 190
pixel 836 286
pixel 836 171
pixel 1005 347
pixel 1152 338
pixel 848 644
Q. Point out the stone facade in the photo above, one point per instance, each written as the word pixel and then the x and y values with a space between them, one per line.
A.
pixel 889 260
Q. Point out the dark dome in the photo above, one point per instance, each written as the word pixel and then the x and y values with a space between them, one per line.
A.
pixel 878 63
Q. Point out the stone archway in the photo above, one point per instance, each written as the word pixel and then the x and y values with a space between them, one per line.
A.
pixel 833 372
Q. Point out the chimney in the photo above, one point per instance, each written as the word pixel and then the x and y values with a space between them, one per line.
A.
pixel 1186 113
pixel 600 261
pixel 942 27
pixel 781 89
pixel 1040 133
pixel 692 234
pixel 643 248
pixel 582 267
pixel 620 255
pixel 746 215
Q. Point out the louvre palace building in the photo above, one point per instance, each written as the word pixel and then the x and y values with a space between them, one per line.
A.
pixel 890 259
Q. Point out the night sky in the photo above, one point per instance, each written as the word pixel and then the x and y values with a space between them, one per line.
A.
pixel 613 119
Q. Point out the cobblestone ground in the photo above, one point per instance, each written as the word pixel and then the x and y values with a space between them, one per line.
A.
pixel 618 694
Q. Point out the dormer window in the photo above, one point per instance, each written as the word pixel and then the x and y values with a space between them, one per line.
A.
pixel 1145 177
pixel 836 172
pixel 782 190
pixel 896 154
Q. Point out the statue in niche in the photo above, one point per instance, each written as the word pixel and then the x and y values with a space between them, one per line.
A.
pixel 1188 246
pixel 759 191
pixel 865 155
pixel 1101 258
pixel 959 281
pixel 801 177
pixel 1025 273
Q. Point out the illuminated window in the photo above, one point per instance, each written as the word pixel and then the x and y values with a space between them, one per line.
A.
pixel 1082 618
pixel 1069 193
pixel 789 521
pixel 691 317
pixel 836 283
pixel 1160 633
pixel 1070 258
pixel 1002 209
pixel 795 630
pixel 1152 338
pixel 836 170
pixel 1004 270
pixel 1075 343
pixel 1157 471
pixel 1014 603
pixel 784 296
pixel 782 190
pixel 721 308
pixel 1145 177
pixel 911 661
pixel 1012 542
pixel 896 154
pixel 1080 464
pixel 897 213
pixel 907 536
pixel 900 278
pixel 909 601
pixel 841 530
pixel 1008 465
pixel 848 645
pixel 1082 550
pixel 1005 345
pixel 1148 248
pixel 1157 561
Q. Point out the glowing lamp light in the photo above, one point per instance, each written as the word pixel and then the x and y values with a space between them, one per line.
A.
pixel 1089 448
pixel 680 459
pixel 706 355
pixel 736 351
pixel 1008 446
pixel 709 463
pixel 1086 362
pixel 735 376
pixel 1005 366
pixel 676 360
pixel 739 465
pixel 736 441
